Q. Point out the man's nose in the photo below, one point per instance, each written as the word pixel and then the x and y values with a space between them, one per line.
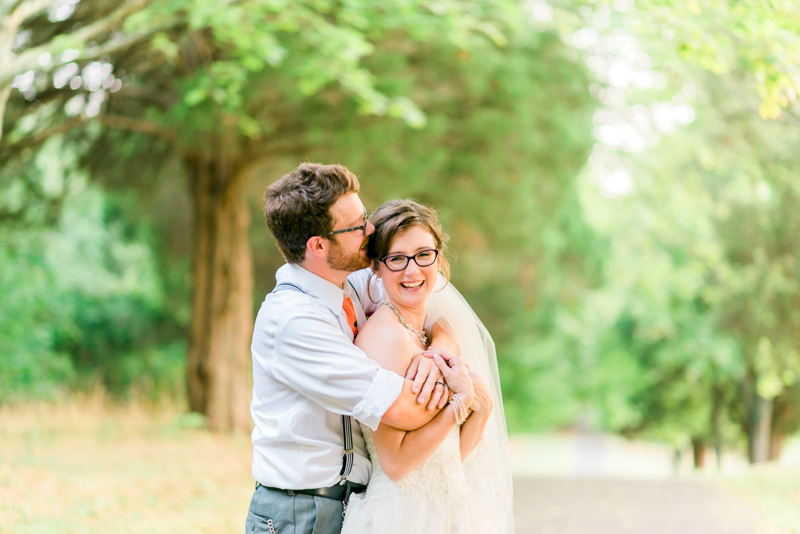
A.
pixel 370 229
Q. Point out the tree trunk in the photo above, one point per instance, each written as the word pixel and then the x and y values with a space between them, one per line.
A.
pixel 759 430
pixel 5 93
pixel 716 425
pixel 222 307
pixel 776 443
pixel 8 31
pixel 785 419
pixel 699 452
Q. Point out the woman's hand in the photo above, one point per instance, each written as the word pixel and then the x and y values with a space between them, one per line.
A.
pixel 483 402
pixel 455 373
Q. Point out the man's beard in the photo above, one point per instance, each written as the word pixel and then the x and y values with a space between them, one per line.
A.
pixel 340 261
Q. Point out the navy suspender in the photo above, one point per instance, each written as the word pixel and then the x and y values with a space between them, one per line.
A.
pixel 347 421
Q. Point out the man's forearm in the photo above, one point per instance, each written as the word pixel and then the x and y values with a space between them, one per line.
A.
pixel 406 413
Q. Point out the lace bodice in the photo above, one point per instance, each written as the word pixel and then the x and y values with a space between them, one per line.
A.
pixel 440 475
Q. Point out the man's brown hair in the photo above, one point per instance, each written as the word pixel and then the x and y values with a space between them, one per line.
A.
pixel 297 206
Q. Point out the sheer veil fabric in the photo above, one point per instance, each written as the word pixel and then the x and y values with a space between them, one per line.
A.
pixel 488 467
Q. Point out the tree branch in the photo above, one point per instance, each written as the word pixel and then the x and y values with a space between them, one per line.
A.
pixel 29 59
pixel 22 10
pixel 41 137
pixel 7 6
pixel 137 125
pixel 114 121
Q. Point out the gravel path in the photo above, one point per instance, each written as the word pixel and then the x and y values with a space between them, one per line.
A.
pixel 609 506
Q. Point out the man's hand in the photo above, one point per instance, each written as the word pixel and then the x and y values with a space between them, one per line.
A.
pixel 428 382
pixel 455 373
pixel 442 339
pixel 483 398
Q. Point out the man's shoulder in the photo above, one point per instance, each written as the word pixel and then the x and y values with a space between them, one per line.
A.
pixel 286 306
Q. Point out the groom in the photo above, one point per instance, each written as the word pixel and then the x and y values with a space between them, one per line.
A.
pixel 310 380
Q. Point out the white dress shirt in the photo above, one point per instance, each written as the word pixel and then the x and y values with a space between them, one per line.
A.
pixel 307 374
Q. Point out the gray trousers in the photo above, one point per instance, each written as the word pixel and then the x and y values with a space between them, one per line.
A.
pixel 295 514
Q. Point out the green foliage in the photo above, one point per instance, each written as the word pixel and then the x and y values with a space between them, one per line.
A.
pixel 83 302
pixel 758 39
pixel 507 130
pixel 29 363
pixel 700 275
pixel 666 313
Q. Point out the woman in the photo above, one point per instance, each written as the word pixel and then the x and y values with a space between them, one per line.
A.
pixel 465 485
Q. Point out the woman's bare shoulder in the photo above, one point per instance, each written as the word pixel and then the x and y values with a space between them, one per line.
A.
pixel 385 340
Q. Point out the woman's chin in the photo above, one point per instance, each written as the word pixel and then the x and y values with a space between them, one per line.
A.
pixel 410 298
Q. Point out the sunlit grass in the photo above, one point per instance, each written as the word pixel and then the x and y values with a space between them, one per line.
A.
pixel 776 488
pixel 87 466
pixel 90 466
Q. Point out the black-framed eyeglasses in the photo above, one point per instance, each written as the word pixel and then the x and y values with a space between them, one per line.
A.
pixel 362 227
pixel 398 262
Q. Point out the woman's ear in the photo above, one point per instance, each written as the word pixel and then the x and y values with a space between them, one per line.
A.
pixel 375 271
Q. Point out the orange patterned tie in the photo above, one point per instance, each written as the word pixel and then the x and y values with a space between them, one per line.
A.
pixel 352 322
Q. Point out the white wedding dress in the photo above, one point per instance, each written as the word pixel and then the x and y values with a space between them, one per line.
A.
pixel 445 495
pixel 434 498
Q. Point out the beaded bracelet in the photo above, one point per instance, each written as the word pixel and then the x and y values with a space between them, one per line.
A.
pixel 459 409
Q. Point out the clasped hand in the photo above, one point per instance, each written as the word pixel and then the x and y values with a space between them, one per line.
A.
pixel 435 365
pixel 466 383
pixel 428 382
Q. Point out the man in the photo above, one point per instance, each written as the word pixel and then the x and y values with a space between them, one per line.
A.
pixel 309 378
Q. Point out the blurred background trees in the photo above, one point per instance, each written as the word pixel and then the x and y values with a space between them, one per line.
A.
pixel 617 181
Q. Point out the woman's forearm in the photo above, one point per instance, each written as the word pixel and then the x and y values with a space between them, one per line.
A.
pixel 401 452
pixel 472 432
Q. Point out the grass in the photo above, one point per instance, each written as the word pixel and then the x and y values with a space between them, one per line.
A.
pixel 88 467
pixel 776 489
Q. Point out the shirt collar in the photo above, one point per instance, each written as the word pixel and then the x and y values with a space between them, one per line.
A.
pixel 313 285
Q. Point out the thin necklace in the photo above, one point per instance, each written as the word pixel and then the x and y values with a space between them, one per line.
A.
pixel 421 335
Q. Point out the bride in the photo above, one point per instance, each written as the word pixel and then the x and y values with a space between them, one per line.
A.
pixel 464 485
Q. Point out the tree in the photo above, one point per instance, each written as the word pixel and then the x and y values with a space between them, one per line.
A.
pixel 672 330
pixel 705 253
pixel 218 88
pixel 95 36
pixel 507 133
pixel 760 40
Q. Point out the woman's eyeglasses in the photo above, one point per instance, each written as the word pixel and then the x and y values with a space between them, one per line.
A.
pixel 398 262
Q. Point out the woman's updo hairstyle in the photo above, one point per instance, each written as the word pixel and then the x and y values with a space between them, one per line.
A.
pixel 396 216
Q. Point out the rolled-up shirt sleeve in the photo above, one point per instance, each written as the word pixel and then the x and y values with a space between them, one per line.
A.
pixel 314 357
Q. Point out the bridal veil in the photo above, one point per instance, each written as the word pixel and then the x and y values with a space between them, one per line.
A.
pixel 488 467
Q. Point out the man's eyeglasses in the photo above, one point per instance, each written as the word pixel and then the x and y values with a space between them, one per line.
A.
pixel 362 227
pixel 398 262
